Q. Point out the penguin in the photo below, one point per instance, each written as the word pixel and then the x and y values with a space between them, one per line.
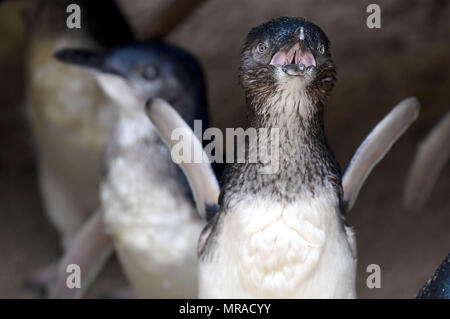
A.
pixel 370 152
pixel 146 205
pixel 284 234
pixel 70 132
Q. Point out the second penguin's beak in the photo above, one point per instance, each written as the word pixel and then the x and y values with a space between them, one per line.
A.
pixel 88 59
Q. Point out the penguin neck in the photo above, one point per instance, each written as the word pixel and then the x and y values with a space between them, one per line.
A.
pixel 132 125
pixel 306 164
pixel 299 122
pixel 128 103
pixel 290 106
pixel 298 119
pixel 132 111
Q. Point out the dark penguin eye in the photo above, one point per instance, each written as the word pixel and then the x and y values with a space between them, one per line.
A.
pixel 149 72
pixel 261 48
pixel 321 48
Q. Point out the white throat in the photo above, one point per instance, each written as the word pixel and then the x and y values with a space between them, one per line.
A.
pixel 119 91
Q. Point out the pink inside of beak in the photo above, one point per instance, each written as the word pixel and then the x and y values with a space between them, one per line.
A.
pixel 307 59
pixel 279 58
pixel 294 56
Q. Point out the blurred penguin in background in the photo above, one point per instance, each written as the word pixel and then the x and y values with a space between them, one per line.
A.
pixel 69 114
pixel 146 203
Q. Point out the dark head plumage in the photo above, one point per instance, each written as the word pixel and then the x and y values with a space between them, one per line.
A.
pixel 151 69
pixel 294 46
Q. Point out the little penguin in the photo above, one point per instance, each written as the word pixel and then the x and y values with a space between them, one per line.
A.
pixel 146 202
pixel 284 234
pixel 204 186
pixel 70 116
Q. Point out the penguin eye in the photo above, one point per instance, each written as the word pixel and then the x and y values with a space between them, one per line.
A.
pixel 149 72
pixel 321 48
pixel 261 47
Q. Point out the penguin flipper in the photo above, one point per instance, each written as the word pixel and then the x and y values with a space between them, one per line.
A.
pixel 375 146
pixel 197 169
pixel 90 249
pixel 438 286
pixel 432 154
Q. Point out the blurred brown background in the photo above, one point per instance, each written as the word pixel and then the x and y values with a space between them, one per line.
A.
pixel 409 55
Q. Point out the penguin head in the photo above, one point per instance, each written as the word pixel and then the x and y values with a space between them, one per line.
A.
pixel 141 71
pixel 289 52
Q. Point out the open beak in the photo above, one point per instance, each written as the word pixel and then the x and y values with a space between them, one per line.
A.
pixel 85 58
pixel 295 60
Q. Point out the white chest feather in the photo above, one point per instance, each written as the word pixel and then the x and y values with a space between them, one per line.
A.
pixel 153 224
pixel 265 250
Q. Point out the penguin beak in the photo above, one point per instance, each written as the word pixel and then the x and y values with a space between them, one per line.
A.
pixel 87 59
pixel 296 58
